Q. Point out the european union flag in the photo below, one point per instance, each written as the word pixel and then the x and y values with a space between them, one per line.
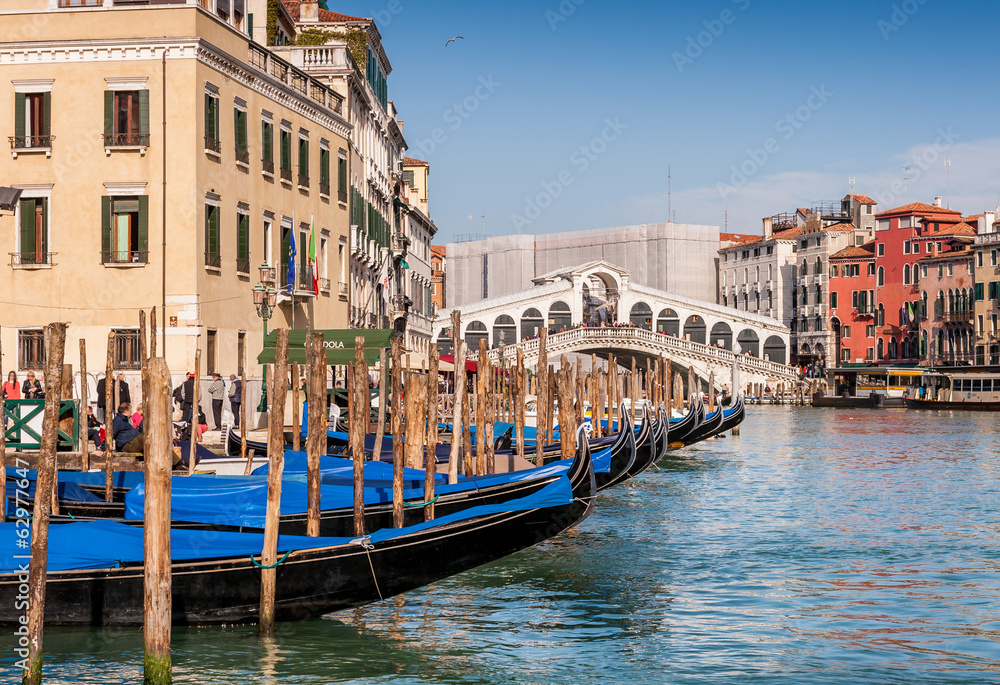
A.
pixel 292 253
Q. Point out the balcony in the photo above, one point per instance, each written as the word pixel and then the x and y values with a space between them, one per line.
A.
pixel 213 260
pixel 125 141
pixel 303 182
pixel 342 290
pixel 213 145
pixel 243 156
pixel 286 175
pixel 124 257
pixel 32 260
pixel 324 285
pixel 243 267
pixel 20 144
pixel 324 189
pixel 267 168
pixel 958 316
pixel 303 281
pixel 342 196
pixel 293 73
pixel 864 311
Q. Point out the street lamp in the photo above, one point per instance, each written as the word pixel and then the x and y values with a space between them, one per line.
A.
pixel 265 298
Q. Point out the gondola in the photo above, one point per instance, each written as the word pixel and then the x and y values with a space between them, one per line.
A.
pixel 711 425
pixel 624 453
pixel 681 428
pixel 316 576
pixel 734 416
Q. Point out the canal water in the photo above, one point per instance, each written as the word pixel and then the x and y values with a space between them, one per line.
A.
pixel 820 546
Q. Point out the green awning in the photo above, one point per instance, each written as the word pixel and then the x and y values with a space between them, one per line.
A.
pixel 404 264
pixel 339 345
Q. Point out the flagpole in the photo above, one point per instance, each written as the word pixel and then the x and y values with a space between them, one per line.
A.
pixel 295 265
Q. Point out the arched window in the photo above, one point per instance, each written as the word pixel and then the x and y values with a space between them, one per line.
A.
pixel 819 266
pixel 881 276
pixel 769 274
pixel 757 298
pixel 721 336
pixel 504 331
pixel 833 271
pixel 445 343
pixel 746 275
pixel 923 308
pixel 531 323
pixel 906 274
pixel 725 303
pixel 749 342
pixel 559 317
pixel 880 349
pixel 667 321
pixel 641 315
pixel 819 294
pixel 756 274
pixel 474 332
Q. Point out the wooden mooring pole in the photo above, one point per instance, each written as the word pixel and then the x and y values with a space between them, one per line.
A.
pixel 541 399
pixel 40 513
pixel 430 464
pixel 195 413
pixel 275 466
pixel 296 409
pixel 362 413
pixel 520 382
pixel 84 404
pixel 109 411
pixel 460 408
pixel 316 427
pixel 157 604
pixel 3 444
pixel 564 389
pixel 416 397
pixel 382 398
pixel 397 434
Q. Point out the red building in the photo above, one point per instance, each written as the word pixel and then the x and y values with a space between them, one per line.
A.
pixel 901 238
pixel 947 294
pixel 852 303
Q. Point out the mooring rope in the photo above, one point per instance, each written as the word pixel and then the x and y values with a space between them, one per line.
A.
pixel 425 504
pixel 367 544
pixel 279 562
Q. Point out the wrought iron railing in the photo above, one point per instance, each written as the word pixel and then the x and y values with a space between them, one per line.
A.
pixel 342 196
pixel 304 180
pixel 324 189
pixel 124 257
pixel 286 174
pixel 213 144
pixel 267 166
pixel 958 316
pixel 213 259
pixel 30 142
pixel 126 140
pixel 242 266
pixel 32 258
pixel 243 156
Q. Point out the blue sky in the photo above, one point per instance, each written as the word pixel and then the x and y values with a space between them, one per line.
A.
pixel 554 116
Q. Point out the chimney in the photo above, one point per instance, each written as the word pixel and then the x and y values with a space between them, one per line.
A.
pixel 937 200
pixel 814 222
pixel 309 10
pixel 767 228
pixel 986 222
pixel 934 250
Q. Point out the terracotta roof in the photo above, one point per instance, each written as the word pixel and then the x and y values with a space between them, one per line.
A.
pixel 919 208
pixel 864 199
pixel 743 240
pixel 439 250
pixel 974 217
pixel 325 16
pixel 856 251
pixel 961 228
pixel 413 161
pixel 963 253
pixel 841 227
pixel 803 211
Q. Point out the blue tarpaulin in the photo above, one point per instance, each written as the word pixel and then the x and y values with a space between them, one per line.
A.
pixel 107 544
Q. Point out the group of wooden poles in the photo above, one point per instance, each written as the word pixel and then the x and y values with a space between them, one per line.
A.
pixel 416 399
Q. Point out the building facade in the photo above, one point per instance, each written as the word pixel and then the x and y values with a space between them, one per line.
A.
pixel 947 306
pixel 439 275
pixel 987 295
pixel 116 218
pixel 852 309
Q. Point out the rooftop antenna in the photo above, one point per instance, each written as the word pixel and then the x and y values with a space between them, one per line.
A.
pixel 906 185
pixel 669 212
pixel 947 175
pixel 727 213
pixel 484 226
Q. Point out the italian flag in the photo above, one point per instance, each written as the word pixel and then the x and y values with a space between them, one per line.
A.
pixel 312 255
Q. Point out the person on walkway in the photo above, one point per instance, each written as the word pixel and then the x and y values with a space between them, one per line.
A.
pixel 93 427
pixel 235 397
pixel 32 388
pixel 123 395
pixel 218 392
pixel 11 391
pixel 136 418
pixel 187 395
pixel 124 432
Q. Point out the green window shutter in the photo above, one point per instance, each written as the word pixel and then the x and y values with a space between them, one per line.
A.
pixel 242 236
pixel 208 115
pixel 19 104
pixel 105 226
pixel 243 131
pixel 324 166
pixel 45 224
pixel 46 114
pixel 342 174
pixel 109 112
pixel 267 142
pixel 144 224
pixel 236 128
pixel 143 111
pixel 27 227
pixel 214 231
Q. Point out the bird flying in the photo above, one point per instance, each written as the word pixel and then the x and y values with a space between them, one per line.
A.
pixel 453 40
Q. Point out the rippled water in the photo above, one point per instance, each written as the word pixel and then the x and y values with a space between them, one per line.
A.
pixel 820 546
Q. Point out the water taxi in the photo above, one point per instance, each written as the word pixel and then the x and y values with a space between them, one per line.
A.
pixel 969 391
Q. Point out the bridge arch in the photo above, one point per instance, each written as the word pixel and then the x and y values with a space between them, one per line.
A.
pixel 560 316
pixel 749 342
pixel 474 332
pixel 775 350
pixel 721 336
pixel 694 329
pixel 504 331
pixel 532 322
pixel 668 322
pixel 641 315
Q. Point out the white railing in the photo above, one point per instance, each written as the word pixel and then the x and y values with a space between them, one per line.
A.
pixel 587 338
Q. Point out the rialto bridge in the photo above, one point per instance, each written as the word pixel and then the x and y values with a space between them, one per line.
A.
pixel 595 309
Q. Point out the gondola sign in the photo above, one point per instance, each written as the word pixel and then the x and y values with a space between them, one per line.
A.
pixel 338 343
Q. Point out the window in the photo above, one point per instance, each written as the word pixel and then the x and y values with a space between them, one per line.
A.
pixel 868 209
pixel 30 349
pixel 870 331
pixel 845 331
pixel 979 259
pixel 303 163
pixel 210 351
pixel 906 274
pixel 881 249
pixel 916 248
pixel 242 243
pixel 127 348
pixel 267 239
pixel 33 245
pixel 994 290
pixel 881 276
pixel 240 127
pixel 940 270
pixel 342 179
pixel 125 230
pixel 833 271
pixel 32 121
pixel 859 240
pixel 871 269
pixel 267 147
pixel 854 299
pixel 906 247
pixel 212 142
pixel 833 300
pixel 213 257
pixel 993 257
pixel 870 354
pixel 286 155
pixel 979 292
pixel 845 355
pixel 324 171
pixel 126 118
pixel 923 271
